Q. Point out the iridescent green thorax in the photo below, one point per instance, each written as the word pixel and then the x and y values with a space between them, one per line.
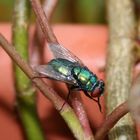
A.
pixel 85 78
pixel 62 67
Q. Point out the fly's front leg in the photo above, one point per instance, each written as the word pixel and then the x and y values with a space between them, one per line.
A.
pixel 97 101
pixel 86 93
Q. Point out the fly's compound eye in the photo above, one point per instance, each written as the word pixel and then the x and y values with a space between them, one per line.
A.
pixel 98 89
pixel 101 86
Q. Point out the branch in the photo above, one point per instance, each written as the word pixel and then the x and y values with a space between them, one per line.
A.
pixel 137 42
pixel 48 92
pixel 111 120
pixel 38 41
pixel 120 62
pixel 49 33
pixel 134 99
pixel 67 112
pixel 79 109
pixel 43 21
pixel 25 93
pixel 131 105
pixel 49 7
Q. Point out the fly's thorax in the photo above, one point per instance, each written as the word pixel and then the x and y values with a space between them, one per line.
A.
pixel 63 70
pixel 62 66
pixel 85 78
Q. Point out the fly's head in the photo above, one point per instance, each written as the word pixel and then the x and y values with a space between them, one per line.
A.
pixel 98 89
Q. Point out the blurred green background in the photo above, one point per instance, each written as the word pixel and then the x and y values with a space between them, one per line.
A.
pixel 67 11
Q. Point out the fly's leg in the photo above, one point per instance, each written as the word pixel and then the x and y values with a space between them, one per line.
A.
pixel 77 88
pixel 65 100
pixel 89 96
pixel 97 101
pixel 40 76
pixel 99 105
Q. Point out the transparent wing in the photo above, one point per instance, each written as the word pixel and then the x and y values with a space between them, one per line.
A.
pixel 61 52
pixel 49 72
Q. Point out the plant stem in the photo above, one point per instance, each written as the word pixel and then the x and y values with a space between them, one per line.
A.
pixel 67 112
pixel 79 109
pixel 49 7
pixel 137 49
pixel 26 98
pixel 134 99
pixel 111 120
pixel 20 40
pixel 38 37
pixel 44 24
pixel 48 33
pixel 120 63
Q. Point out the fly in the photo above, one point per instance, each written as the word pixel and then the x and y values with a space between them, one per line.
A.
pixel 68 68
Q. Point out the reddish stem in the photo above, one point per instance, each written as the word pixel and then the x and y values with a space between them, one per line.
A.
pixel 46 90
pixel 79 109
pixel 111 120
pixel 77 104
pixel 49 7
pixel 38 41
pixel 43 21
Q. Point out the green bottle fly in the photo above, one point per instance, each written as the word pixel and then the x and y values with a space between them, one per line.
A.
pixel 69 69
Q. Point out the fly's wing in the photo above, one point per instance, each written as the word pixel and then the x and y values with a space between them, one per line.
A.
pixel 49 72
pixel 61 52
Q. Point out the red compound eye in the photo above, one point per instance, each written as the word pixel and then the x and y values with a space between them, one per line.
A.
pixel 96 93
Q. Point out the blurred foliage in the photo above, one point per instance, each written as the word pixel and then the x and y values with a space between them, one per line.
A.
pixel 75 11
pixel 6 10
pixel 137 7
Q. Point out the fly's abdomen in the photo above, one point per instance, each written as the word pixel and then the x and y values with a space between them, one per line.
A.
pixel 90 84
pixel 85 78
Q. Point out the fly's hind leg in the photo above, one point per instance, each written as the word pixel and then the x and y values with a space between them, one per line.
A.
pixel 70 88
pixel 39 76
pixel 65 100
